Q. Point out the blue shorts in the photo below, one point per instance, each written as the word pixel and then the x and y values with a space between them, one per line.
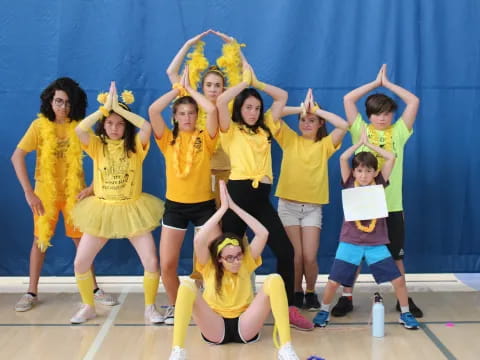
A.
pixel 349 257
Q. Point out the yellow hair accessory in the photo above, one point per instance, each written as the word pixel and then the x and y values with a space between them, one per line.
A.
pixel 104 111
pixel 102 97
pixel 231 62
pixel 227 241
pixel 197 64
pixel 127 97
pixel 183 91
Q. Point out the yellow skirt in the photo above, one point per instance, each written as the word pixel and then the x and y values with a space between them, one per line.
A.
pixel 118 219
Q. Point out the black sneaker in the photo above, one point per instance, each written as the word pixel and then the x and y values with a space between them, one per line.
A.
pixel 414 309
pixel 311 302
pixel 343 307
pixel 298 297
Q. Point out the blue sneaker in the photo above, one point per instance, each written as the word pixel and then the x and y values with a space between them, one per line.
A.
pixel 407 320
pixel 322 318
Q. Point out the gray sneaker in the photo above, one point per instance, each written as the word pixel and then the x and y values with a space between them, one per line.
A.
pixel 104 298
pixel 169 315
pixel 26 302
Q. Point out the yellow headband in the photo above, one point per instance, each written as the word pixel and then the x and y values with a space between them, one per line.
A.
pixel 225 242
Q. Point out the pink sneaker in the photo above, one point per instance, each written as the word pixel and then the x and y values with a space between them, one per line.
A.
pixel 298 321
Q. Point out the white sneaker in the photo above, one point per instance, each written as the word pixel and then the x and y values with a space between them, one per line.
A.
pixel 286 352
pixel 104 298
pixel 86 312
pixel 178 353
pixel 169 315
pixel 26 302
pixel 152 315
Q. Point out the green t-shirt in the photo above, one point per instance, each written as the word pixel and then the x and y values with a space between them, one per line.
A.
pixel 400 135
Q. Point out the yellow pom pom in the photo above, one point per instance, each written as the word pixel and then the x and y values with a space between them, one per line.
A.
pixel 127 97
pixel 104 111
pixel 102 97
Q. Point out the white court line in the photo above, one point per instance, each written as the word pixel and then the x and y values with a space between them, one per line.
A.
pixel 90 355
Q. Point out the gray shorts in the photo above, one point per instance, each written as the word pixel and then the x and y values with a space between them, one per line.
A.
pixel 302 214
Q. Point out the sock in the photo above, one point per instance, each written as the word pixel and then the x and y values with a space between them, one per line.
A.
pixel 187 292
pixel 33 294
pixel 325 307
pixel 404 309
pixel 310 291
pixel 85 286
pixel 95 290
pixel 150 286
pixel 275 289
pixel 348 295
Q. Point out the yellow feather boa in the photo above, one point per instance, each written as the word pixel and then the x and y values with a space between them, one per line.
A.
pixel 197 64
pixel 231 62
pixel 73 182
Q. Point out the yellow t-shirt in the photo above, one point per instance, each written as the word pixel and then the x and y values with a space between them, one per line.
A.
pixel 197 185
pixel 250 153
pixel 116 176
pixel 236 294
pixel 32 141
pixel 304 171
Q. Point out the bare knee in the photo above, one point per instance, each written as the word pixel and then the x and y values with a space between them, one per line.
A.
pixel 151 263
pixel 81 265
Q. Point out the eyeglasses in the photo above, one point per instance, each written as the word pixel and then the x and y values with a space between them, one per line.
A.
pixel 231 258
pixel 58 102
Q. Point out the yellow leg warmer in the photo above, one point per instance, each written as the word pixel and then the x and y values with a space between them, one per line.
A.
pixel 275 289
pixel 150 286
pixel 85 286
pixel 187 292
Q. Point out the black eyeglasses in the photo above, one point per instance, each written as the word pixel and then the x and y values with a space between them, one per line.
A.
pixel 58 102
pixel 232 258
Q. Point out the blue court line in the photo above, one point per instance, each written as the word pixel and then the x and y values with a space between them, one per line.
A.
pixel 438 343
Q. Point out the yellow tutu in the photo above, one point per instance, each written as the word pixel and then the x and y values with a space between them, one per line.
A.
pixel 118 219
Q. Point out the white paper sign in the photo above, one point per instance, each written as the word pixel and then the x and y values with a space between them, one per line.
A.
pixel 364 203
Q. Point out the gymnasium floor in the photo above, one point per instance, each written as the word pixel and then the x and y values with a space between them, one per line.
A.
pixel 450 328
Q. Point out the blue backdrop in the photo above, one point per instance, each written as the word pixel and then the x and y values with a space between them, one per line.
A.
pixel 431 47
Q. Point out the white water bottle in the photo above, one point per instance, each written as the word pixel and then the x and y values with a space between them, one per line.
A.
pixel 378 316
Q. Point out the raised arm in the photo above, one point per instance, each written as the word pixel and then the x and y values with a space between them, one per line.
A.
pixel 136 120
pixel 174 67
pixel 209 108
pixel 412 102
pixel 387 155
pixel 224 117
pixel 206 234
pixel 83 128
pixel 279 96
pixel 18 160
pixel 155 111
pixel 350 100
pixel 345 169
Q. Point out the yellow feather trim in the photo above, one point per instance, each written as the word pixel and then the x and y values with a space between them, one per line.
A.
pixel 102 97
pixel 197 64
pixel 231 62
pixel 73 182
pixel 127 97
pixel 104 111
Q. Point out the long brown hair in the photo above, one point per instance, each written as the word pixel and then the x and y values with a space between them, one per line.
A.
pixel 213 248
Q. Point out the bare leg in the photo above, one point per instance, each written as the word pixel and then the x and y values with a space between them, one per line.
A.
pixel 76 241
pixel 171 242
pixel 310 244
pixel 37 259
pixel 295 236
pixel 401 290
pixel 145 248
pixel 87 249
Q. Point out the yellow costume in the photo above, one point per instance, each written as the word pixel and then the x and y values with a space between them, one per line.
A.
pixel 119 209
pixel 58 174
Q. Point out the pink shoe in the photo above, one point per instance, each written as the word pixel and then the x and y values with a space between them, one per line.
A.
pixel 298 321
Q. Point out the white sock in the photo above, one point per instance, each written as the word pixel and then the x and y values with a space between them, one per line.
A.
pixel 404 309
pixel 347 294
pixel 325 307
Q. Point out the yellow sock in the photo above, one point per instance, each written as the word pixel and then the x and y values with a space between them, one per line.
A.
pixel 85 286
pixel 150 286
pixel 310 291
pixel 187 292
pixel 275 289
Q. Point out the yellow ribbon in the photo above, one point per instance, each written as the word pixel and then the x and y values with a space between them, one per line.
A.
pixel 227 241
